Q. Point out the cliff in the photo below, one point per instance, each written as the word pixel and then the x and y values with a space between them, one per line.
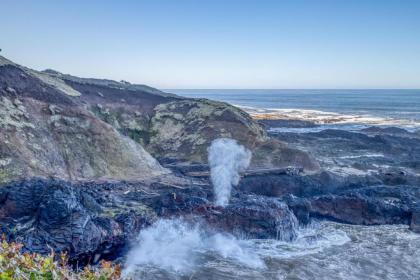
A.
pixel 54 124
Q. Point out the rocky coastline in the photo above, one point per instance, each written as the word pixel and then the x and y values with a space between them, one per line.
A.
pixel 86 164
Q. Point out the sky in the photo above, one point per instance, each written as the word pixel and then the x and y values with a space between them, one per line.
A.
pixel 257 44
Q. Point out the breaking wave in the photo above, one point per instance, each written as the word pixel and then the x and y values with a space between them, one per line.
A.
pixel 171 248
pixel 174 249
pixel 324 120
pixel 177 246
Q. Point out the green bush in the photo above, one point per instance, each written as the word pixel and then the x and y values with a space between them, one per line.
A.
pixel 14 264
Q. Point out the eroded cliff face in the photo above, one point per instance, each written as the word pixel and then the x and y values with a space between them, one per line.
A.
pixel 184 129
pixel 45 132
pixel 59 125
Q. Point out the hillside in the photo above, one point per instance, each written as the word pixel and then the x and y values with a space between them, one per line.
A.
pixel 54 124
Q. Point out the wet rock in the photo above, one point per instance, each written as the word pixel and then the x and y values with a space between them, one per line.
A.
pixel 300 207
pixel 302 185
pixel 249 216
pixel 376 205
pixel 179 202
pixel 372 149
pixel 45 214
pixel 355 209
pixel 415 221
pixel 254 217
pixel 287 123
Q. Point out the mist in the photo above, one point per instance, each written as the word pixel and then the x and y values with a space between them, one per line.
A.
pixel 178 246
pixel 226 159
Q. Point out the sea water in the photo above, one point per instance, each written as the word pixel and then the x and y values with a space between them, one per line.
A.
pixel 342 109
pixel 173 249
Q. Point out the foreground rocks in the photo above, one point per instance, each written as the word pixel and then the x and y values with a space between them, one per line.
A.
pixel 55 214
pixel 93 220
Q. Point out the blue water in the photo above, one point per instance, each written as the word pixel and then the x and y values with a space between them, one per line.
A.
pixel 387 104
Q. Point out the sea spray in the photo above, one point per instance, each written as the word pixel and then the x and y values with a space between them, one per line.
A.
pixel 176 245
pixel 226 159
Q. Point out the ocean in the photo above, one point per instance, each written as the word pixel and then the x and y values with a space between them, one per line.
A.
pixel 346 109
pixel 324 250
pixel 173 249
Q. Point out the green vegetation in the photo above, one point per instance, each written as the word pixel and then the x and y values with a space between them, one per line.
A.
pixel 140 136
pixel 3 176
pixel 14 264
pixel 106 115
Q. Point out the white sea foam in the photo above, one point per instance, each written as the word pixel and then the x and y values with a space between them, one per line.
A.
pixel 319 128
pixel 311 239
pixel 369 155
pixel 176 245
pixel 343 121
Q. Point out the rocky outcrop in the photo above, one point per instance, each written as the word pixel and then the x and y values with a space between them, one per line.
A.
pixel 254 217
pixel 45 214
pixel 185 128
pixel 374 205
pixel 91 220
pixel 44 131
pixel 53 124
pixel 373 149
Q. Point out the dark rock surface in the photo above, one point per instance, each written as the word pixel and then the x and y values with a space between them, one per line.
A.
pixel 90 219
pixel 370 178
pixel 287 123
pixel 251 216
pixel 372 149
pixel 415 221
pixel 54 214
pixel 376 205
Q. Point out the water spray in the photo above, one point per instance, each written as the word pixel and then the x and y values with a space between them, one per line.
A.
pixel 226 159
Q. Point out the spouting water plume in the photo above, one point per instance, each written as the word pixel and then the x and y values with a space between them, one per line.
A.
pixel 226 159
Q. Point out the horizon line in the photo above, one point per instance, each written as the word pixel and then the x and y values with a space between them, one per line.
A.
pixel 164 89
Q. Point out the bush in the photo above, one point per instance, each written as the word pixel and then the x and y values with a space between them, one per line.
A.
pixel 14 264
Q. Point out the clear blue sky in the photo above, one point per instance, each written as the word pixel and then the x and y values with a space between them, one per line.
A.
pixel 220 43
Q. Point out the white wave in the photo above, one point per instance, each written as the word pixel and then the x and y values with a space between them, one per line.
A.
pixel 179 247
pixel 175 245
pixel 311 239
pixel 362 156
pixel 347 127
pixel 328 118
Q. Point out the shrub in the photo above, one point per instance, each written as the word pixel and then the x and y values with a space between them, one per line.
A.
pixel 15 264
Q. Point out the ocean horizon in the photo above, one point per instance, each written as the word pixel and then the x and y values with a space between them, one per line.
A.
pixel 347 109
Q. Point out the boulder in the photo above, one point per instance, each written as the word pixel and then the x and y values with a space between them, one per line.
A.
pixel 254 217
